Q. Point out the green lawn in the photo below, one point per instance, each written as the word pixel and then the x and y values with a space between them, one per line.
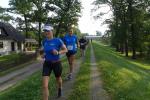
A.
pixel 81 89
pixel 124 79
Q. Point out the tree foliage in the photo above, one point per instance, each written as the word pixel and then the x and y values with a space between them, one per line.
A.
pixel 32 14
pixel 129 27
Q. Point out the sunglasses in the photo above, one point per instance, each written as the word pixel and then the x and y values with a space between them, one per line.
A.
pixel 47 31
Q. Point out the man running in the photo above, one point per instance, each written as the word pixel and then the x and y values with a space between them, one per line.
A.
pixel 71 43
pixel 82 43
pixel 52 48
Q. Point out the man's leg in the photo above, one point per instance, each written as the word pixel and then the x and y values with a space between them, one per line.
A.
pixel 81 52
pixel 71 62
pixel 57 68
pixel 84 51
pixel 45 81
pixel 59 82
pixel 71 65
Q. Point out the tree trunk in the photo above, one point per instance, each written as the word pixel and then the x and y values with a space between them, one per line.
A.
pixel 26 26
pixel 39 34
pixel 133 40
pixel 148 52
pixel 122 48
pixel 141 52
pixel 117 47
pixel 126 48
pixel 58 29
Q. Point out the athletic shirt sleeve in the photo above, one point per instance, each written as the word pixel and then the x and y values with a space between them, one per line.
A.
pixel 60 43
pixel 43 41
pixel 64 39
pixel 76 39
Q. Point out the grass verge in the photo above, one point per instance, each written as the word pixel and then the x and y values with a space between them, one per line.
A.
pixel 17 67
pixel 81 88
pixel 124 79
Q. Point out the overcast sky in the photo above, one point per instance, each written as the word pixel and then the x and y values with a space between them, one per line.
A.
pixel 87 24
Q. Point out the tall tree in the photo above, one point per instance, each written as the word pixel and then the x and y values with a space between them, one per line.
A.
pixel 68 12
pixel 39 15
pixel 23 8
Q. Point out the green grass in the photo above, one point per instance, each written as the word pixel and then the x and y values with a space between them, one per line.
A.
pixel 9 57
pixel 30 89
pixel 124 79
pixel 16 68
pixel 81 89
pixel 14 61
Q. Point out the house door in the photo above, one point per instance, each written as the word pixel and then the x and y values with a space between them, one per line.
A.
pixel 12 46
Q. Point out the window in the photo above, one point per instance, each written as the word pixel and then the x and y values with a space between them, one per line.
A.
pixel 1 45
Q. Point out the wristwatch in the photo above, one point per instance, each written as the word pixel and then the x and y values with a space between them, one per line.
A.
pixel 58 53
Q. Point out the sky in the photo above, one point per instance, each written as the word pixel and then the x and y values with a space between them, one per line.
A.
pixel 87 23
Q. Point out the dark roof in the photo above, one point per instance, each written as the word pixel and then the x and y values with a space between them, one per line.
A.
pixel 9 32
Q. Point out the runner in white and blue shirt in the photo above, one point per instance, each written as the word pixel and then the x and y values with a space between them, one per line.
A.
pixel 52 48
pixel 71 43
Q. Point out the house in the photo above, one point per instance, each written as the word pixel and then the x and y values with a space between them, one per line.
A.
pixel 10 39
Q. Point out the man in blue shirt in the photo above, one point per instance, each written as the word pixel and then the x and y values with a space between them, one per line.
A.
pixel 71 43
pixel 52 48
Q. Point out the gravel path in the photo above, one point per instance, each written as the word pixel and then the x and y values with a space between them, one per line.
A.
pixel 97 91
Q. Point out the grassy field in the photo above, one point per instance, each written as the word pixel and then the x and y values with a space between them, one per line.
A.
pixel 124 79
pixel 81 89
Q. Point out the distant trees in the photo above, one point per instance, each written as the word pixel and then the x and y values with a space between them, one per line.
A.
pixel 129 27
pixel 98 33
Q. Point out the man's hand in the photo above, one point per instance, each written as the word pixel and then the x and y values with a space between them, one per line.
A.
pixel 55 52
pixel 42 56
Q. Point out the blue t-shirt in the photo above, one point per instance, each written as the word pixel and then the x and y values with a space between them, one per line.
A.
pixel 71 42
pixel 49 46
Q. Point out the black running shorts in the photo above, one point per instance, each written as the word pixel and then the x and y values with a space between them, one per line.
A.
pixel 49 66
pixel 82 47
pixel 70 53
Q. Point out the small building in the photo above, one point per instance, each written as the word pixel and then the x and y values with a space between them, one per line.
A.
pixel 30 44
pixel 10 39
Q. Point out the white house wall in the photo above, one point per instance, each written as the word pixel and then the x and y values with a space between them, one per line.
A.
pixel 7 47
pixel 16 47
pixel 22 46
